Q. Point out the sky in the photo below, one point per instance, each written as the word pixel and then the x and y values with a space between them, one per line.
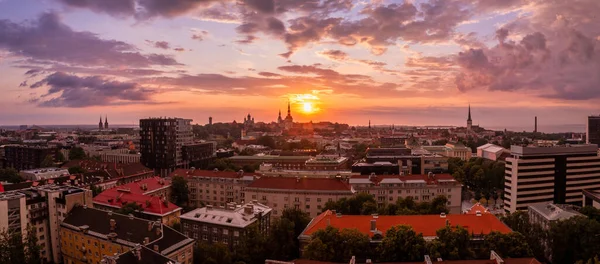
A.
pixel 413 62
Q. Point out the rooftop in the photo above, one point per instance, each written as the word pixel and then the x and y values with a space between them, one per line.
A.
pixel 146 185
pixel 429 179
pixel 44 170
pixel 593 194
pixel 232 215
pixel 128 229
pixel 142 255
pixel 477 208
pixel 553 212
pixel 270 157
pixel 118 197
pixel 491 148
pixel 555 150
pixel 210 173
pixel 480 261
pixel 425 224
pixel 305 184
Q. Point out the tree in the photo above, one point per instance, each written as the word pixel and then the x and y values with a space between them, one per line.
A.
pixel 534 234
pixel 266 141
pixel 179 191
pixel 60 157
pixel 591 212
pixel 32 249
pixel 331 244
pixel 452 243
pixel 77 153
pixel 10 175
pixel 77 170
pixel 284 234
pixel 130 208
pixel 253 247
pixel 47 162
pixel 12 249
pixel 511 245
pixel 95 190
pixel 402 243
pixel 211 254
pixel 574 239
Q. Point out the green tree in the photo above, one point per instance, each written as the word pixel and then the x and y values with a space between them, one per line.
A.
pixel 12 249
pixel 32 249
pixel 331 244
pixel 47 162
pixel 253 247
pixel 574 239
pixel 77 153
pixel 266 141
pixel 591 212
pixel 511 245
pixel 534 234
pixel 179 191
pixel 10 175
pixel 130 208
pixel 211 254
pixel 452 243
pixel 402 243
pixel 284 234
pixel 438 205
pixel 77 170
pixel 60 157
pixel 95 190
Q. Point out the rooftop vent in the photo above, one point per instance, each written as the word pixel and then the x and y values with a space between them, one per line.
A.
pixel 443 215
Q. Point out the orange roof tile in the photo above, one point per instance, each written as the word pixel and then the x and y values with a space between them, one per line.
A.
pixel 310 184
pixel 151 184
pixel 154 205
pixel 425 224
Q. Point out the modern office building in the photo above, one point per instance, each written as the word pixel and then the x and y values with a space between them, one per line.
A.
pixel 593 130
pixel 306 194
pixel 226 225
pixel 550 174
pixel 422 188
pixel 162 141
pixel 88 234
pixel 25 157
pixel 591 198
pixel 199 153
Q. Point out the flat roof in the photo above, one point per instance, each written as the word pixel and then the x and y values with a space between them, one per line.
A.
pixel 554 150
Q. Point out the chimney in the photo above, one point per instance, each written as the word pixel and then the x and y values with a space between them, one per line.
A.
pixel 150 225
pixel 535 128
pixel 248 209
pixel 443 215
pixel 158 231
pixel 373 225
pixel 146 240
pixel 155 248
pixel 113 224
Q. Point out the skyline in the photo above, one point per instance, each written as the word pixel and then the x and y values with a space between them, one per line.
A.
pixel 392 62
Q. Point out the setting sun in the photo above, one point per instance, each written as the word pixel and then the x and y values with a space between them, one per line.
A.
pixel 307 108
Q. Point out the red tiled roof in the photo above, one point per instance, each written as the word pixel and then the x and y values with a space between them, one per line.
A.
pixel 480 261
pixel 477 207
pixel 378 178
pixel 151 184
pixel 425 224
pixel 209 173
pixel 155 206
pixel 314 184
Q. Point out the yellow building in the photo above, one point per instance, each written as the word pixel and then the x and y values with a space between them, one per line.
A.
pixel 87 235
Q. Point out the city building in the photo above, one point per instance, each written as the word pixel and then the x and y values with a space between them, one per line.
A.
pixel 591 198
pixel 550 174
pixel 123 156
pixel 162 141
pixel 421 188
pixel 25 157
pixel 226 225
pixel 477 208
pixel 288 122
pixel 375 226
pixel 268 170
pixel 492 152
pixel 393 141
pixel 248 121
pixel 88 234
pixel 394 161
pixel 42 208
pixel 150 194
pixel 137 255
pixel 306 194
pixel 451 150
pixel 278 162
pixel 494 259
pixel 43 173
pixel 545 213
pixel 199 153
pixel 593 130
pixel 216 188
pixel 109 174
pixel 325 163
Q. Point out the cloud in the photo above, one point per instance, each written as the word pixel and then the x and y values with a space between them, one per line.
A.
pixel 269 74
pixel 62 44
pixel 141 9
pixel 336 55
pixel 557 55
pixel 118 8
pixel 159 44
pixel 68 90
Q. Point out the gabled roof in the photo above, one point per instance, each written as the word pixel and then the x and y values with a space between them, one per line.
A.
pixel 146 185
pixel 425 224
pixel 477 207
pixel 306 184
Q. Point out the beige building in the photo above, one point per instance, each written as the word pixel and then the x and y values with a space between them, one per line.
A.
pixel 306 194
pixel 451 150
pixel 422 188
pixel 550 174
pixel 215 187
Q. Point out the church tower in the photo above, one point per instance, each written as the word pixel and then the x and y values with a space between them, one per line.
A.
pixel 105 122
pixel 289 120
pixel 279 119
pixel 469 120
pixel 100 124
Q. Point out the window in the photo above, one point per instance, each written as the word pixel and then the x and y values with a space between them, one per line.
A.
pixel 449 196
pixel 407 191
pixel 391 192
pixel 204 228
pixel 195 235
pixel 215 239
pixel 296 199
pixel 399 191
pixel 319 207
pixel 307 206
pixel 285 199
pixel 236 233
pixel 264 198
pixel 254 196
pixel 195 227
pixel 215 230
pixel 318 200
pixel 204 237
pixel 225 241
pixel 186 225
pixel 225 231
pixel 307 199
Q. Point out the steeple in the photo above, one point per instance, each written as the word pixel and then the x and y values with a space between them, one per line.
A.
pixel 105 122
pixel 100 123
pixel 469 119
pixel 369 123
pixel 289 109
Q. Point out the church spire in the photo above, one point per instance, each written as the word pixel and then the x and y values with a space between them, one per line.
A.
pixel 100 123
pixel 289 109
pixel 105 121
pixel 469 119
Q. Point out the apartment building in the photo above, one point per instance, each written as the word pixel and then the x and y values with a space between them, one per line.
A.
pixel 278 162
pixel 42 208
pixel 226 225
pixel 43 173
pixel 591 198
pixel 544 214
pixel 422 188
pixel 400 161
pixel 451 150
pixel 592 130
pixel 307 194
pixel 325 163
pixel 216 188
pixel 162 141
pixel 550 174
pixel 150 194
pixel 24 157
pixel 88 234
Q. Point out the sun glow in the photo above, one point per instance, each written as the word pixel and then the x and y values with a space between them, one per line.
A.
pixel 307 108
